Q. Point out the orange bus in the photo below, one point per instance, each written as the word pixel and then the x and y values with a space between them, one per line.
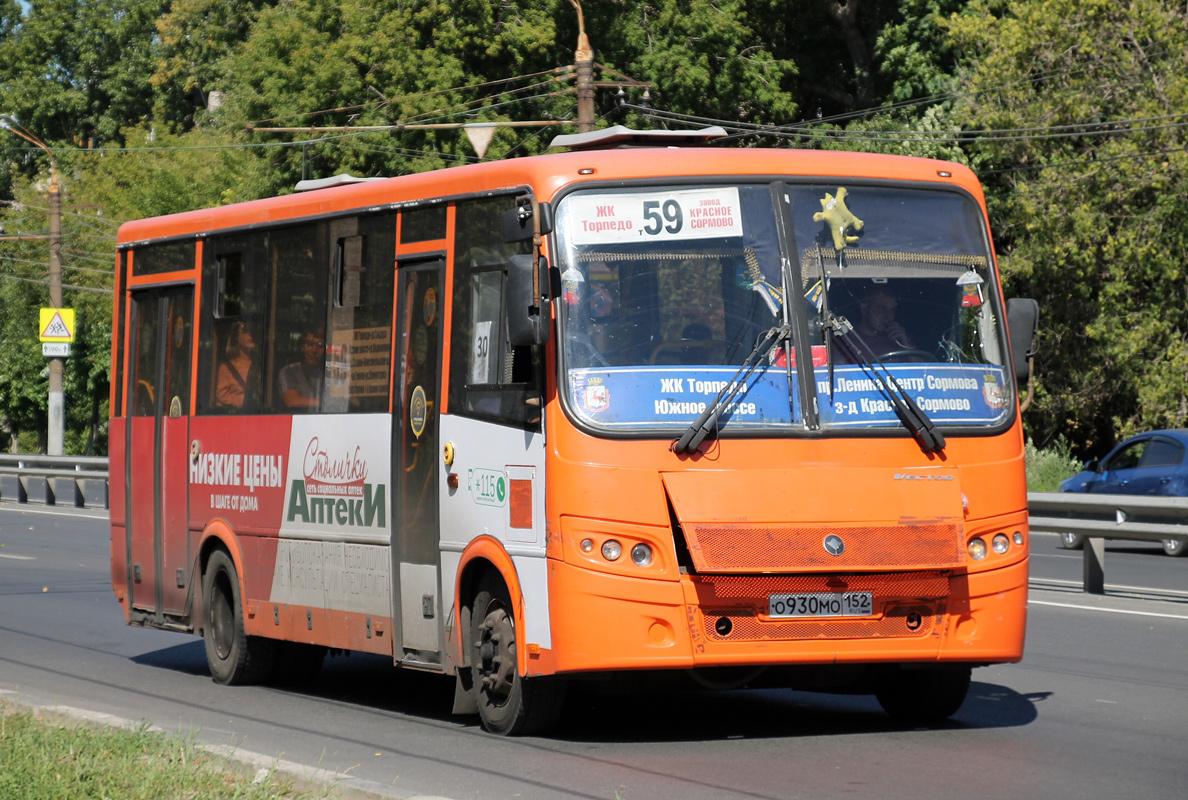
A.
pixel 746 417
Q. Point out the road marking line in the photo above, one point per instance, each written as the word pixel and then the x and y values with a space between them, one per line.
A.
pixel 1111 610
pixel 21 509
pixel 18 558
pixel 1114 587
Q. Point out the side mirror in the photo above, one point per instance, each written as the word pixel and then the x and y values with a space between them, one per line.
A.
pixel 1023 326
pixel 527 318
pixel 1091 466
pixel 517 222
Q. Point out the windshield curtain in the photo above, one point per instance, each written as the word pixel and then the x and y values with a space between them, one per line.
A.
pixel 667 290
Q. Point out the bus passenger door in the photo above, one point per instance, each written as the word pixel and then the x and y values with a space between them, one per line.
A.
pixel 415 457
pixel 157 439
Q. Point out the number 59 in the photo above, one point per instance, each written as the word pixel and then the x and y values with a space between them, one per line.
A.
pixel 672 212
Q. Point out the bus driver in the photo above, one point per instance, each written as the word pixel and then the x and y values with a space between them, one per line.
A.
pixel 878 326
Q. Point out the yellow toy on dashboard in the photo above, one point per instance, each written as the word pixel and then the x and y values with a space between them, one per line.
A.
pixel 835 214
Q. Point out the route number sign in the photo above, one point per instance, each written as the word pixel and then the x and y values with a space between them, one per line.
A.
pixel 654 216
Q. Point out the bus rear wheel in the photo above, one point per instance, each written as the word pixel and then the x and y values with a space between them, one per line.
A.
pixel 233 656
pixel 923 695
pixel 508 703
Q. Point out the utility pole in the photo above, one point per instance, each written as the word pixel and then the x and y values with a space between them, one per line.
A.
pixel 584 62
pixel 57 397
pixel 57 402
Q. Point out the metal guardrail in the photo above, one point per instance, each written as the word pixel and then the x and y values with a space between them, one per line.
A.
pixel 87 478
pixel 1098 517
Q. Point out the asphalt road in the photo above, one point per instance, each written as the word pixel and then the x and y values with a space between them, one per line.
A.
pixel 1098 708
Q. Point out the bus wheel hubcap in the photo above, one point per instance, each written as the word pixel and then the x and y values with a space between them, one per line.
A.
pixel 497 654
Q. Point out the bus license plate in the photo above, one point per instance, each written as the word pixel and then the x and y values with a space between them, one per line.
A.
pixel 824 604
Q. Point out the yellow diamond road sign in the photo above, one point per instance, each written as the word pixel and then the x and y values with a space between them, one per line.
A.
pixel 57 325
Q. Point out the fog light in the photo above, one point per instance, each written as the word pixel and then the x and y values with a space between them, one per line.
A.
pixel 611 550
pixel 977 549
pixel 587 545
pixel 1001 543
pixel 1019 537
pixel 641 554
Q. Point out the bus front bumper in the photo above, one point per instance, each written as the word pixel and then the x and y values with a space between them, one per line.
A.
pixel 609 622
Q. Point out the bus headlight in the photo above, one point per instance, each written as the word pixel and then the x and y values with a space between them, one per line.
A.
pixel 587 545
pixel 641 555
pixel 611 550
pixel 1001 543
pixel 1019 537
pixel 977 549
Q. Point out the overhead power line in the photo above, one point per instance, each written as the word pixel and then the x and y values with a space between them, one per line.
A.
pixel 1084 161
pixel 1109 128
pixel 45 282
pixel 450 110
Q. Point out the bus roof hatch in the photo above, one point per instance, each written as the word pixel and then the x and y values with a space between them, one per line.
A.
pixel 619 136
pixel 326 183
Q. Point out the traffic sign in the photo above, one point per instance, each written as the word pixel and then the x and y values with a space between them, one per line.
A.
pixel 57 325
pixel 55 349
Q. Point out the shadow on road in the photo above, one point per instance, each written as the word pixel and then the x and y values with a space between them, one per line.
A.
pixel 189 658
pixel 598 711
pixel 693 715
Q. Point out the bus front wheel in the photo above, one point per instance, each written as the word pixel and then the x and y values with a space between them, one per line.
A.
pixel 233 656
pixel 923 695
pixel 508 703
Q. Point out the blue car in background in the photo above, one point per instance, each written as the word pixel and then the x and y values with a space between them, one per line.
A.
pixel 1154 463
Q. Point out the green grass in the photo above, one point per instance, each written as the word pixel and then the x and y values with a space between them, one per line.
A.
pixel 42 759
pixel 1047 468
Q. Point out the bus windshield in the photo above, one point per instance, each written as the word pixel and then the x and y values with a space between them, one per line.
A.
pixel 666 291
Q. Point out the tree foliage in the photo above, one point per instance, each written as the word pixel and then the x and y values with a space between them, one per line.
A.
pixel 1090 221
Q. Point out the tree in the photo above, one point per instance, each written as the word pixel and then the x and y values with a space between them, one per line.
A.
pixel 712 59
pixel 1091 218
pixel 76 71
pixel 359 63
pixel 194 36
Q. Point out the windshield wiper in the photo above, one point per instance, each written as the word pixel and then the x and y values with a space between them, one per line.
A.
pixel 917 422
pixel 707 420
pixel 825 313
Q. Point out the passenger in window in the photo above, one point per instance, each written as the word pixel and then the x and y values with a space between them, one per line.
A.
pixel 301 382
pixel 238 384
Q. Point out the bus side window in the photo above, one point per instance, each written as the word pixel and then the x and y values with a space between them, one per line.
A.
pixel 233 332
pixel 488 378
pixel 300 260
pixel 359 344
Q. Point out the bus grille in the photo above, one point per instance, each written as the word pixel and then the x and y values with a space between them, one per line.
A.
pixel 755 548
pixel 897 596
